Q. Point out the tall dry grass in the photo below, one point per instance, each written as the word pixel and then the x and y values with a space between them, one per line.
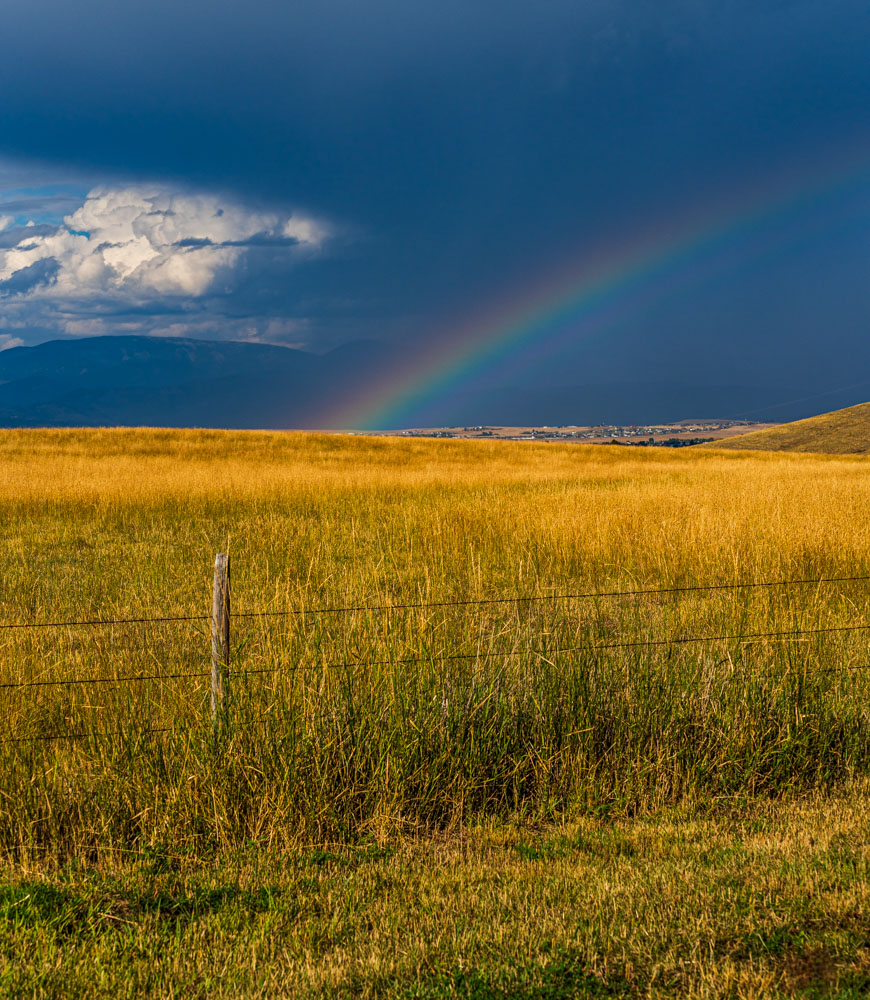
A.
pixel 375 721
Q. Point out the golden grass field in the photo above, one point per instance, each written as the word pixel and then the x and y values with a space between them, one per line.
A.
pixel 476 801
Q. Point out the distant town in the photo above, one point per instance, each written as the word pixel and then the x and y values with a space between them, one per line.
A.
pixel 681 434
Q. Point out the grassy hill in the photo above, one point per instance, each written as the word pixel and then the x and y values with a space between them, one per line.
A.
pixel 842 432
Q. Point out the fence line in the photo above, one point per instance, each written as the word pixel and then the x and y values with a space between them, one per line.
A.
pixel 590 595
pixel 786 634
pixel 221 616
pixel 105 621
pixel 87 734
pixel 587 648
pixel 526 599
pixel 93 734
pixel 100 680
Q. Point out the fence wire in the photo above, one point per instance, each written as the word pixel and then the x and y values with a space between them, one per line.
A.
pixel 787 635
pixel 588 648
pixel 95 734
pixel 471 602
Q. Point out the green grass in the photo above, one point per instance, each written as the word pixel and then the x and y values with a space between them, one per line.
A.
pixel 756 901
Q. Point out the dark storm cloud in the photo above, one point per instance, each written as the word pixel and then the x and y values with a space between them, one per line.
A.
pixel 468 146
pixel 193 242
pixel 388 112
pixel 257 240
pixel 43 272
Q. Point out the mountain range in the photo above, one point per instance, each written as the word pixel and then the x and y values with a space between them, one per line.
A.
pixel 175 382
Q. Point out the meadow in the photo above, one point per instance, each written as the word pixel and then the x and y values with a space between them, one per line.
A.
pixel 551 794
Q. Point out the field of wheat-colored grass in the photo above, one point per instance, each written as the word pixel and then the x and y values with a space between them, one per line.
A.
pixel 424 717
pixel 445 799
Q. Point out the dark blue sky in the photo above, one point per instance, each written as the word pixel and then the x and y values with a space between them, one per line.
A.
pixel 318 172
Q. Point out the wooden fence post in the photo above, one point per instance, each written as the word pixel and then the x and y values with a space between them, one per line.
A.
pixel 220 634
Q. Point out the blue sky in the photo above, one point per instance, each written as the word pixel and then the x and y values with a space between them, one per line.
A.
pixel 319 172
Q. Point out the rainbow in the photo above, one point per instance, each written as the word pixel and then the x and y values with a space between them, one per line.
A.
pixel 589 296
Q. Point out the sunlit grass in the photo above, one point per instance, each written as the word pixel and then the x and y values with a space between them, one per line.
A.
pixel 423 718
pixel 844 432
pixel 440 800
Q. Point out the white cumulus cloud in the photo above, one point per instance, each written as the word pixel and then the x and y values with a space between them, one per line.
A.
pixel 140 243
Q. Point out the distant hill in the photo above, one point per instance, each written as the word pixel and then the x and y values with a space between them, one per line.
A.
pixel 178 382
pixel 842 432
pixel 175 382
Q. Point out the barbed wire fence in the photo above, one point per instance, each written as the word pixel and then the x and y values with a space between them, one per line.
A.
pixel 222 615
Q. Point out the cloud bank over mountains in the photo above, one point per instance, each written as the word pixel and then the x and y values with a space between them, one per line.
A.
pixel 143 249
pixel 464 155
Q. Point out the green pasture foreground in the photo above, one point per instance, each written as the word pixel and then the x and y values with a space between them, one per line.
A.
pixel 771 900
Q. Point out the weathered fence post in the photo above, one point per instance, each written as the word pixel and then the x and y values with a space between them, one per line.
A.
pixel 220 634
